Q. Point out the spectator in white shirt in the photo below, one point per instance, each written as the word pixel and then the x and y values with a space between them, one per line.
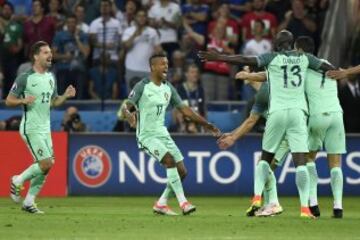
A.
pixel 140 42
pixel 127 18
pixel 80 16
pixel 165 16
pixel 258 45
pixel 105 35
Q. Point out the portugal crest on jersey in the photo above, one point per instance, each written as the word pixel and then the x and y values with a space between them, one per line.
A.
pixel 166 95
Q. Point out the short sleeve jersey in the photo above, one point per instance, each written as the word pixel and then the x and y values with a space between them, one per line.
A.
pixel 151 102
pixel 286 72
pixel 261 104
pixel 322 93
pixel 36 116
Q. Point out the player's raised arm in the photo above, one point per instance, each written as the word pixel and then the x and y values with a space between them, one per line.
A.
pixel 343 73
pixel 233 59
pixel 60 100
pixel 254 76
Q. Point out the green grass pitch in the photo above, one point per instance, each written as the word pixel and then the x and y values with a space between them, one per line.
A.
pixel 217 218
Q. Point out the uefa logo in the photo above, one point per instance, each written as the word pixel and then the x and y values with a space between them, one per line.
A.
pixel 92 166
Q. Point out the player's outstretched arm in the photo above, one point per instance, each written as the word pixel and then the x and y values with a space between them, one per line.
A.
pixel 343 73
pixel 254 76
pixel 233 59
pixel 13 101
pixel 196 118
pixel 228 139
pixel 60 100
pixel 129 116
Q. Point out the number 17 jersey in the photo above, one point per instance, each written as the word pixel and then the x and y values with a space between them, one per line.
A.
pixel 286 73
pixel 151 102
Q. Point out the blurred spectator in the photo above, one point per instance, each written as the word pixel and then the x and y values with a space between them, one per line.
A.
pixel 10 124
pixel 140 42
pixel 298 21
pixel 176 71
pixel 216 80
pixel 71 49
pixel 22 7
pixel 257 45
pixel 105 35
pixel 103 83
pixel 196 15
pixel 192 94
pixel 11 45
pixel 349 96
pixel 69 6
pixel 38 27
pixel 258 13
pixel 127 18
pixel 165 17
pixel 232 27
pixel 55 12
pixel 1 82
pixel 191 42
pixel 80 16
pixel 92 9
pixel 355 45
pixel 72 121
pixel 238 7
pixel 278 8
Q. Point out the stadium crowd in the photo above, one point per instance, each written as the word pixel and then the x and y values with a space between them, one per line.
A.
pixel 102 47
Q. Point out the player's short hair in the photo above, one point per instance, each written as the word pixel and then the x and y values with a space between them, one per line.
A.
pixel 305 43
pixel 283 41
pixel 35 49
pixel 155 56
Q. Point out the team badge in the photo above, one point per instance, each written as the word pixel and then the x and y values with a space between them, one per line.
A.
pixel 156 152
pixel 166 95
pixel 14 87
pixel 92 166
pixel 40 152
pixel 51 84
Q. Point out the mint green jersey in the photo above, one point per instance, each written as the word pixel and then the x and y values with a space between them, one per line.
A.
pixel 286 72
pixel 151 102
pixel 36 116
pixel 322 93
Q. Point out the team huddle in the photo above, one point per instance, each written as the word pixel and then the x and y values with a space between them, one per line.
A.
pixel 295 94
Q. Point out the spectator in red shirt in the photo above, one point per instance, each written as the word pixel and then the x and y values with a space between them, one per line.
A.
pixel 258 13
pixel 38 27
pixel 232 27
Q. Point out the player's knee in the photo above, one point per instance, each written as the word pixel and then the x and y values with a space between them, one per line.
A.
pixel 168 161
pixel 46 165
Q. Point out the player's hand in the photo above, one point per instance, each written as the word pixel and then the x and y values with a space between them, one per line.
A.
pixel 28 100
pixel 225 141
pixel 208 56
pixel 337 74
pixel 131 118
pixel 242 75
pixel 70 92
pixel 213 130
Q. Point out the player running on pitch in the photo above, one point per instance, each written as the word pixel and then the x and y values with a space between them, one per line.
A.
pixel 150 99
pixel 36 91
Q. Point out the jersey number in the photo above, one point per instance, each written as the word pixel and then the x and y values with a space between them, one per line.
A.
pixel 159 109
pixel 295 70
pixel 45 97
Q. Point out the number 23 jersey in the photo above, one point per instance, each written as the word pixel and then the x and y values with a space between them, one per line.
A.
pixel 36 116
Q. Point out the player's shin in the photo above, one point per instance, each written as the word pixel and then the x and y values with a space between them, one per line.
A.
pixel 302 182
pixel 261 175
pixel 29 173
pixel 36 185
pixel 272 189
pixel 175 182
pixel 337 186
pixel 311 167
pixel 167 193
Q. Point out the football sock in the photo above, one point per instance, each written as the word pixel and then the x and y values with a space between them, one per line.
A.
pixel 175 182
pixel 302 182
pixel 311 166
pixel 29 173
pixel 272 189
pixel 167 193
pixel 261 175
pixel 337 186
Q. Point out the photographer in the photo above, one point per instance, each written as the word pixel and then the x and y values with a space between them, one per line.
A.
pixel 72 121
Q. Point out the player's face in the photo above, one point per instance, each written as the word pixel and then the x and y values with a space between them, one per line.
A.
pixel 44 58
pixel 161 67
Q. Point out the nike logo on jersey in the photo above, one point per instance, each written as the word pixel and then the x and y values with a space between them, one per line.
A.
pixel 149 95
pixel 34 85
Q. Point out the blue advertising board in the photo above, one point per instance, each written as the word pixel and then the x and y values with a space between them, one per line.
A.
pixel 111 164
